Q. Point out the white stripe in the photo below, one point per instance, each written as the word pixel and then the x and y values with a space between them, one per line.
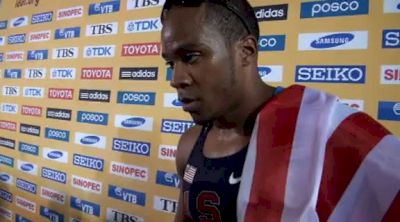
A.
pixel 247 175
pixel 374 186
pixel 319 115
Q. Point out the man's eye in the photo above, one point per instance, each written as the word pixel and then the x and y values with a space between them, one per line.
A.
pixel 190 57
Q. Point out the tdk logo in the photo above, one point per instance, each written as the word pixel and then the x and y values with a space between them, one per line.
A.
pixel 61 114
pixel 136 98
pixel 330 8
pixel 271 12
pixel 6 160
pixel 92 118
pixel 27 167
pixel 5 195
pixel 134 122
pixel 333 40
pixel 42 17
pixel 117 215
pixel 62 73
pixel 65 53
pixel 55 155
pixel 139 4
pixel 26 185
pixel 38 54
pixel 29 129
pixel 88 162
pixel 171 100
pixel 100 51
pixel 54 175
pixel 51 214
pixel 94 95
pixel 35 73
pixel 28 148
pixel 12 74
pixel 389 110
pixel 19 218
pixel 8 143
pixel 104 7
pixel 19 22
pixel 167 179
pixel 331 74
pixel 57 134
pixel 90 140
pixel 3 24
pixel 131 146
pixel 16 39
pixel 390 74
pixel 127 195
pixel 67 33
pixel 6 178
pixel 85 206
pixel 33 92
pixel 102 29
pixel 391 6
pixel 11 90
pixel 143 25
pixel 175 126
pixel 272 43
pixel 391 38
pixel 271 73
pixel 10 108
pixel 145 73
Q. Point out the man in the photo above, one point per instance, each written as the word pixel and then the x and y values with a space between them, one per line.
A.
pixel 259 153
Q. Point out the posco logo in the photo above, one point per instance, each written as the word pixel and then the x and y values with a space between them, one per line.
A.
pixel 333 41
pixel 57 134
pixel 329 8
pixel 272 43
pixel 92 118
pixel 28 148
pixel 136 98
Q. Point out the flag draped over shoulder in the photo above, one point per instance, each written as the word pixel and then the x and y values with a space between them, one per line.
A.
pixel 312 158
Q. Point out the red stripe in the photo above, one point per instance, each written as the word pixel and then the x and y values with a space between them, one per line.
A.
pixel 350 143
pixel 393 213
pixel 277 122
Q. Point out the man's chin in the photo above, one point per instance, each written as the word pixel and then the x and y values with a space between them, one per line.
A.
pixel 199 119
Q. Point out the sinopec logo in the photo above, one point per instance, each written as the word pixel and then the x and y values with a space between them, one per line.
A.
pixel 53 195
pixel 136 98
pixel 62 73
pixel 15 56
pixel 92 118
pixel 391 38
pixel 25 204
pixel 167 152
pixel 61 114
pixel 50 214
pixel 85 206
pixel 140 4
pixel 40 36
pixel 19 22
pixel 130 171
pixel 55 93
pixel 102 29
pixel 330 8
pixel 69 13
pixel 272 43
pixel 127 195
pixel 331 74
pixel 390 74
pixel 10 108
pixel 94 95
pixel 65 53
pixel 57 134
pixel 138 73
pixel 88 162
pixel 86 184
pixel 271 12
pixel 143 25
pixel 104 7
pixel 42 54
pixel 54 175
pixel 141 49
pixel 134 122
pixel 42 17
pixel 29 129
pixel 31 110
pixel 131 146
pixel 175 126
pixel 97 73
pixel 16 39
pixel 67 33
pixel 333 40
pixel 118 215
pixel 7 125
pixel 389 110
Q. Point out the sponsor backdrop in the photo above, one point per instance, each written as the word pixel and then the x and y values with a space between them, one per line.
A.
pixel 89 123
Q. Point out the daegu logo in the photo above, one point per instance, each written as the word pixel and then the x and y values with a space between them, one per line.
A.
pixel 6 160
pixel 140 4
pixel 272 43
pixel 5 195
pixel 38 54
pixel 86 184
pixel 88 162
pixel 131 146
pixel 28 148
pixel 55 155
pixel 333 40
pixel 141 49
pixel 25 204
pixel 391 6
pixel 175 126
pixel 62 73
pixel 134 122
pixel 57 134
pixel 99 51
pixel 27 167
pixel 333 8
pixel 167 179
pixel 136 98
pixel 167 152
pixel 171 100
pixel 54 175
pixel 16 39
pixel 26 185
pixel 10 108
pixel 118 215
pixel 69 13
pixel 67 33
pixel 42 17
pixel 50 214
pixel 104 7
pixel 331 74
pixel 53 195
pixel 143 25
pixel 19 22
pixel 389 110
pixel 19 218
pixel 129 171
pixel 40 36
pixel 127 195
pixel 85 206
pixel 6 213
pixel 391 38
pixel 3 24
pixel 12 74
pixel 6 178
pixel 92 118
pixel 90 140
pixel 390 74
pixel 271 73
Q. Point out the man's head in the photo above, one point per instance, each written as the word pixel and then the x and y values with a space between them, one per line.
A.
pixel 213 51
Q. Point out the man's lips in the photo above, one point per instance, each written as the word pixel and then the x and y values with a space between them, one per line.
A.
pixel 188 104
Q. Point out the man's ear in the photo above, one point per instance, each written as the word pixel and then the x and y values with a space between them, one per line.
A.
pixel 248 48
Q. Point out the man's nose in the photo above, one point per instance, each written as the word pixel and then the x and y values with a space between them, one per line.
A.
pixel 181 77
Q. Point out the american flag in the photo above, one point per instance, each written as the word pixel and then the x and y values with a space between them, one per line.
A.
pixel 190 171
pixel 313 159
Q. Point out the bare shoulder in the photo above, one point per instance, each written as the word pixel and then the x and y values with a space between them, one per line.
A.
pixel 185 147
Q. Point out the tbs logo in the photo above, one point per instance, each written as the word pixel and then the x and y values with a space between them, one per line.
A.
pixel 104 7
pixel 102 29
pixel 65 53
pixel 140 4
pixel 330 8
pixel 6 178
pixel 117 215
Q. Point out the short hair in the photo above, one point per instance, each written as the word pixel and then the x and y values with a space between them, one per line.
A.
pixel 232 24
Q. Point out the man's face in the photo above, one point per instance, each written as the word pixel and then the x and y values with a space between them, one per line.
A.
pixel 204 67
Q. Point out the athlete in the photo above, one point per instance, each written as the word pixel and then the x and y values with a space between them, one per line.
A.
pixel 259 153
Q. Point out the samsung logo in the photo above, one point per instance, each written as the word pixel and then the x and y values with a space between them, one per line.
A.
pixel 54 175
pixel 127 195
pixel 104 7
pixel 55 155
pixel 12 74
pixel 175 126
pixel 19 22
pixel 6 160
pixel 62 73
pixel 8 143
pixel 333 40
pixel 271 12
pixel 100 51
pixel 10 108
pixel 171 101
pixel 85 206
pixel 42 17
pixel 134 122
pixel 51 215
pixel 92 118
pixel 389 110
pixel 391 38
pixel 391 6
pixel 330 8
pixel 38 54
pixel 6 178
pixel 88 162
pixel 331 74
pixel 61 114
pixel 2 40
pixel 28 148
pixel 272 43
pixel 57 134
pixel 27 167
pixel 137 73
pixel 26 185
pixel 67 33
pixel 131 146
pixel 136 98
pixel 16 39
pixel 90 140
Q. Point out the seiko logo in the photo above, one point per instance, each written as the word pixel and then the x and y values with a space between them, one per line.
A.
pixel 5 195
pixel 10 108
pixel 57 134
pixel 97 73
pixel 6 160
pixel 38 54
pixel 390 74
pixel 90 140
pixel 28 148
pixel 61 93
pixel 136 98
pixel 143 25
pixel 92 118
pixel 139 4
pixel 104 7
pixel 25 204
pixel 389 110
pixel 68 13
pixel 26 185
pixel 175 126
pixel 21 3
pixel 144 73
pixel 8 143
pixel 62 73
pixel 61 114
pixel 333 41
pixel 65 53
pixel 6 213
pixel 86 184
pixel 114 215
pixel 102 29
pixel 16 39
pixel 35 73
pixel 271 12
pixel 12 74
pixel 29 129
pixel 129 171
pixel 167 152
pixel 99 51
pixel 333 74
pixel 391 6
pixel 54 175
pixel 39 36
pixel 134 122
pixel 15 56
pixel 53 195
pixel 391 38
pixel 333 8
pixel 33 92
pixel 55 155
pixel 42 17
pixel 6 178
pixel 167 179
pixel 141 49
pixel 127 195
pixel 19 22
pixel 31 110
pixel 94 95
pixel 67 33
pixel 88 162
pixel 131 146
pixel 272 43
pixel 10 90
pixel 51 214
pixel 7 125
pixel 171 100
pixel 165 205
pixel 85 206
pixel 27 167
